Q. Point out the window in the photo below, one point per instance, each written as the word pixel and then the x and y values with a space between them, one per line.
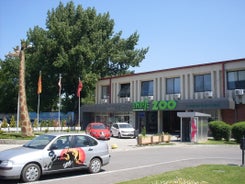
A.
pixel 147 88
pixel 202 83
pixel 236 80
pixel 125 90
pixel 173 85
pixel 84 141
pixel 62 143
pixel 105 92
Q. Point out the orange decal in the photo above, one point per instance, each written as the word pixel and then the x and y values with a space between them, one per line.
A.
pixel 75 154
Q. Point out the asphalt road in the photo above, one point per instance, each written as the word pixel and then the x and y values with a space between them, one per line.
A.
pixel 129 161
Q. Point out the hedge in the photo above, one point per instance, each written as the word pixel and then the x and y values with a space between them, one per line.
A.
pixel 220 130
pixel 238 131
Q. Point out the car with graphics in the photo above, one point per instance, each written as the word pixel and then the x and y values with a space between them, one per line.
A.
pixel 122 129
pixel 52 153
pixel 98 130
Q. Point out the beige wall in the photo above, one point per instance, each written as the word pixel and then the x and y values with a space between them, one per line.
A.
pixel 186 75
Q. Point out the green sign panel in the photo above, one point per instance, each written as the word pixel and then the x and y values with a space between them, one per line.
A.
pixel 154 105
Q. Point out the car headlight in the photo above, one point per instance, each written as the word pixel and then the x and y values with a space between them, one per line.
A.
pixel 6 164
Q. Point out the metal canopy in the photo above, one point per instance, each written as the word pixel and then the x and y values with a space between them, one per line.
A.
pixel 192 114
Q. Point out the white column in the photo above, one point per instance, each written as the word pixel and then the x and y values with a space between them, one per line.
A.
pixel 218 85
pixel 191 86
pixel 163 88
pixel 132 91
pixel 138 90
pixel 155 81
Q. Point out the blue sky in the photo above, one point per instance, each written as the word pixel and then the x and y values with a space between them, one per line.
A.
pixel 177 32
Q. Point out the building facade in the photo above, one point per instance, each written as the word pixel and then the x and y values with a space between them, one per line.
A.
pixel 152 99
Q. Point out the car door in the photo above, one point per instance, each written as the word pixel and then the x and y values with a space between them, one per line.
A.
pixel 85 146
pixel 57 157
pixel 114 129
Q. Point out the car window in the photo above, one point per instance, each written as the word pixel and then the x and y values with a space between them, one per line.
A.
pixel 99 126
pixel 115 126
pixel 91 141
pixel 125 125
pixel 62 142
pixel 84 141
pixel 39 142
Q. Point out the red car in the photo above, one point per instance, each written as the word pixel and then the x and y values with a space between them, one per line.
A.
pixel 98 130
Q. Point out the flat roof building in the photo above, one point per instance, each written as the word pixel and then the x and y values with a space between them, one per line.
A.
pixel 152 99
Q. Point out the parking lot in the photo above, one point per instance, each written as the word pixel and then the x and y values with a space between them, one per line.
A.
pixel 122 144
pixel 126 144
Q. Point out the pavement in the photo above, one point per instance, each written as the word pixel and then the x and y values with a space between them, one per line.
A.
pixel 126 144
pixel 115 144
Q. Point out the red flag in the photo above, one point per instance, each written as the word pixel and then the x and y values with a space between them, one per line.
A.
pixel 39 84
pixel 79 88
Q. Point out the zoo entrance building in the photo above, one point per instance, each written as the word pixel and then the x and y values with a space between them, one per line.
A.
pixel 153 99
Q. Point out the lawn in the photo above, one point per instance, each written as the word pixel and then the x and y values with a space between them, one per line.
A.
pixel 211 174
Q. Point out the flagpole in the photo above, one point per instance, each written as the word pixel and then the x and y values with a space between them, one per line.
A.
pixel 38 109
pixel 18 112
pixel 38 99
pixel 79 115
pixel 59 99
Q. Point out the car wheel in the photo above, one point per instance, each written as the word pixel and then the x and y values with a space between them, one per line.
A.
pixel 95 165
pixel 31 172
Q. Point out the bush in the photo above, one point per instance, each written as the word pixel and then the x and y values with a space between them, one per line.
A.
pixel 143 131
pixel 220 130
pixel 12 122
pixel 238 131
pixel 4 123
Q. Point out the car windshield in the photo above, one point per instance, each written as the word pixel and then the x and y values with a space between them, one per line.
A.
pixel 39 142
pixel 99 126
pixel 125 125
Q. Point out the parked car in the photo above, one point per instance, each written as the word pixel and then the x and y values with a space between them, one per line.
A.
pixel 98 130
pixel 122 130
pixel 54 152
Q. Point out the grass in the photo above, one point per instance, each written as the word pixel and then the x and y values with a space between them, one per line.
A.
pixel 204 174
pixel 16 136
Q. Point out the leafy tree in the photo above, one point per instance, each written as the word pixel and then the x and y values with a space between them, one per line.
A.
pixel 9 80
pixel 76 43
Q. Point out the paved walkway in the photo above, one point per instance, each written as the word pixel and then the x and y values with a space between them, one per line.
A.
pixel 124 144
pixel 131 144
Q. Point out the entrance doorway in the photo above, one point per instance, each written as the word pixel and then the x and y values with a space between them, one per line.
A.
pixel 186 129
pixel 171 122
pixel 148 120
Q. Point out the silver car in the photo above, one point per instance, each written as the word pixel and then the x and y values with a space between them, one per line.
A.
pixel 122 129
pixel 54 152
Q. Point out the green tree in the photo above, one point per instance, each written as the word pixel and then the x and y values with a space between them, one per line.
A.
pixel 76 43
pixel 12 122
pixel 9 82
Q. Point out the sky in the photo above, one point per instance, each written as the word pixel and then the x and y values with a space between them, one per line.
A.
pixel 177 32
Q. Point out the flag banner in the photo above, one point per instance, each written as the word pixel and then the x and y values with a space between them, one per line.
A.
pixel 39 84
pixel 79 88
pixel 59 84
